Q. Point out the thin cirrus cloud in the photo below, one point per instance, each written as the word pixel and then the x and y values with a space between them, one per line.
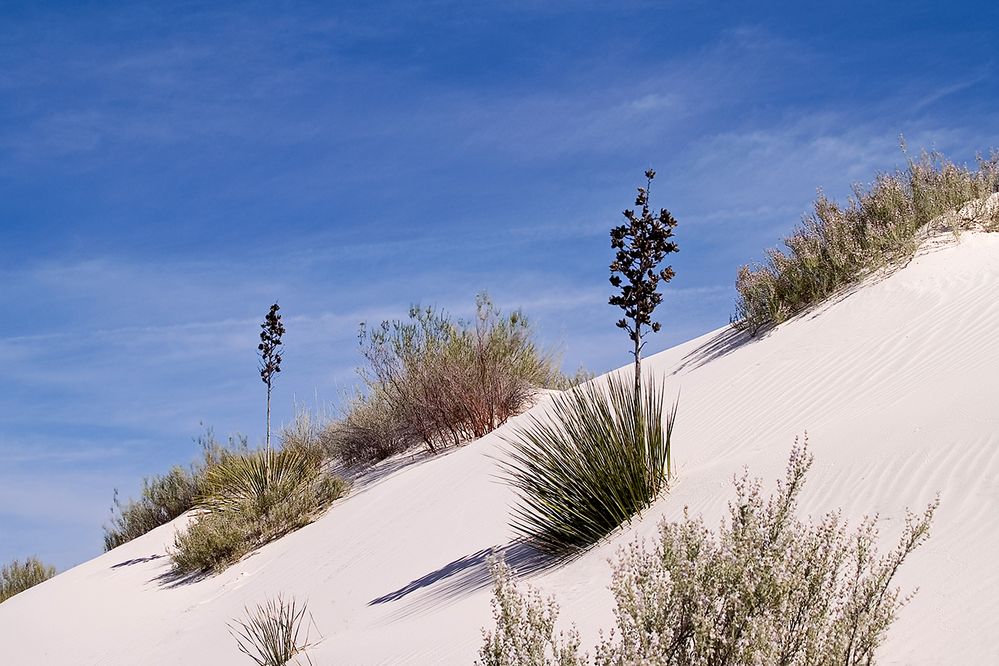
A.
pixel 168 174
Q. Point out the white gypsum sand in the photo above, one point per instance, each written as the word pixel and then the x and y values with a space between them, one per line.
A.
pixel 896 382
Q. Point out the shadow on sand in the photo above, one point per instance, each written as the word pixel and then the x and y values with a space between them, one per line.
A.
pixel 727 341
pixel 464 576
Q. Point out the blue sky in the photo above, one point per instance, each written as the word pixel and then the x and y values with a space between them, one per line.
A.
pixel 169 170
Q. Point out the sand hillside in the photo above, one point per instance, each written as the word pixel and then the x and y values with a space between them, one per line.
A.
pixel 897 384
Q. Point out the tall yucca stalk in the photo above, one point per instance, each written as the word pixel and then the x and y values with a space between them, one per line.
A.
pixel 600 457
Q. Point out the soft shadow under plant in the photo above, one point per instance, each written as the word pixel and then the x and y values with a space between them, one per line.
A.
pixel 600 457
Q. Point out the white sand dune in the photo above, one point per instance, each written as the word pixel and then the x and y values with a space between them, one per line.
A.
pixel 897 384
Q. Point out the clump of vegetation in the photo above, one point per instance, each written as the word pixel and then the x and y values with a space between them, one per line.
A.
pixel 163 498
pixel 598 459
pixel 445 381
pixel 837 245
pixel 166 497
pixel 525 627
pixel 641 247
pixel 766 588
pixel 368 432
pixel 272 634
pixel 250 499
pixel 17 576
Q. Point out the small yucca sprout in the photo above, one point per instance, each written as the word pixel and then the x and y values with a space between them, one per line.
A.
pixel 273 633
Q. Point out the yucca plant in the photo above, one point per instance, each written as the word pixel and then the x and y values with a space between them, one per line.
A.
pixel 272 634
pixel 258 480
pixel 602 456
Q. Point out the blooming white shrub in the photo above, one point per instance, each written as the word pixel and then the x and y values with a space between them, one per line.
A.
pixel 525 628
pixel 767 588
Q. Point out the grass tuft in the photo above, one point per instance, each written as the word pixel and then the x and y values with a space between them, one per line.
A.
pixel 272 634
pixel 249 500
pixel 17 576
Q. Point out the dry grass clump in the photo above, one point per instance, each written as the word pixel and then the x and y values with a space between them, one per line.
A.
pixel 766 588
pixel 17 576
pixel 837 245
pixel 368 432
pixel 272 634
pixel 166 497
pixel 251 499
pixel 443 381
pixel 600 458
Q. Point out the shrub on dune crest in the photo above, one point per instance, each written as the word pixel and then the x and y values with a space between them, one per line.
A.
pixel 17 576
pixel 766 588
pixel 837 245
pixel 369 431
pixel 601 457
pixel 163 498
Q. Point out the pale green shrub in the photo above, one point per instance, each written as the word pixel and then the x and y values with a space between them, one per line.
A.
pixel 166 497
pixel 600 458
pixel 163 498
pixel 525 628
pixel 369 431
pixel 17 576
pixel 766 588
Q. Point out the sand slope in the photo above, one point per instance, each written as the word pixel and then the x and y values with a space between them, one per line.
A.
pixel 897 384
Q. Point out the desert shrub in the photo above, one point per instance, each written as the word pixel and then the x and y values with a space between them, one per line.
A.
pixel 248 500
pixel 369 431
pixel 600 458
pixel 524 634
pixel 563 382
pixel 836 245
pixel 272 634
pixel 449 380
pixel 307 434
pixel 766 588
pixel 166 497
pixel 163 498
pixel 17 576
pixel 212 542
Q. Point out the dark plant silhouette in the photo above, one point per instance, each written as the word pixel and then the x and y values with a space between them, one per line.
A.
pixel 642 244
pixel 270 348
